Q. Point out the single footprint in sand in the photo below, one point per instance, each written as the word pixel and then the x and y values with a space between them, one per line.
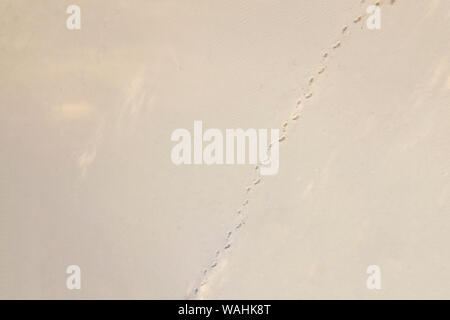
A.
pixel 257 181
pixel 227 246
pixel 344 28
pixel 337 45
pixel 295 116
pixel 282 138
pixel 309 95
pixel 358 19
pixel 321 70
pixel 311 80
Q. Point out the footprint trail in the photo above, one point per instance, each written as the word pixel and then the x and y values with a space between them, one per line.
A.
pixel 241 213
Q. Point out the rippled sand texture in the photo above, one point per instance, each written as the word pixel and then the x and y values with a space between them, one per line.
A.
pixel 86 176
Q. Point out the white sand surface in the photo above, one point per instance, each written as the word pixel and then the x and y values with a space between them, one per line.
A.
pixel 86 176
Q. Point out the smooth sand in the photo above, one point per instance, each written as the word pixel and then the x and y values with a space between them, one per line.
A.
pixel 86 176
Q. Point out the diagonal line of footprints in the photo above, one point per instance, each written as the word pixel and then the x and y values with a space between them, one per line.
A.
pixel 294 117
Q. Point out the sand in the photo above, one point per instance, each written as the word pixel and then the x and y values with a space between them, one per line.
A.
pixel 86 177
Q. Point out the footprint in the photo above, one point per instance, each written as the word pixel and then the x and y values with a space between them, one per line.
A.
pixel 257 181
pixel 227 246
pixel 337 45
pixel 311 81
pixel 245 203
pixel 282 138
pixel 228 235
pixel 213 265
pixel 248 189
pixel 321 70
pixel 344 28
pixel 356 20
pixel 309 95
pixel 299 102
pixel 325 55
pixel 295 116
pixel 239 225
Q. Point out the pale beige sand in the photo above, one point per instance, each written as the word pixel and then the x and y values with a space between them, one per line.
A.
pixel 86 176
